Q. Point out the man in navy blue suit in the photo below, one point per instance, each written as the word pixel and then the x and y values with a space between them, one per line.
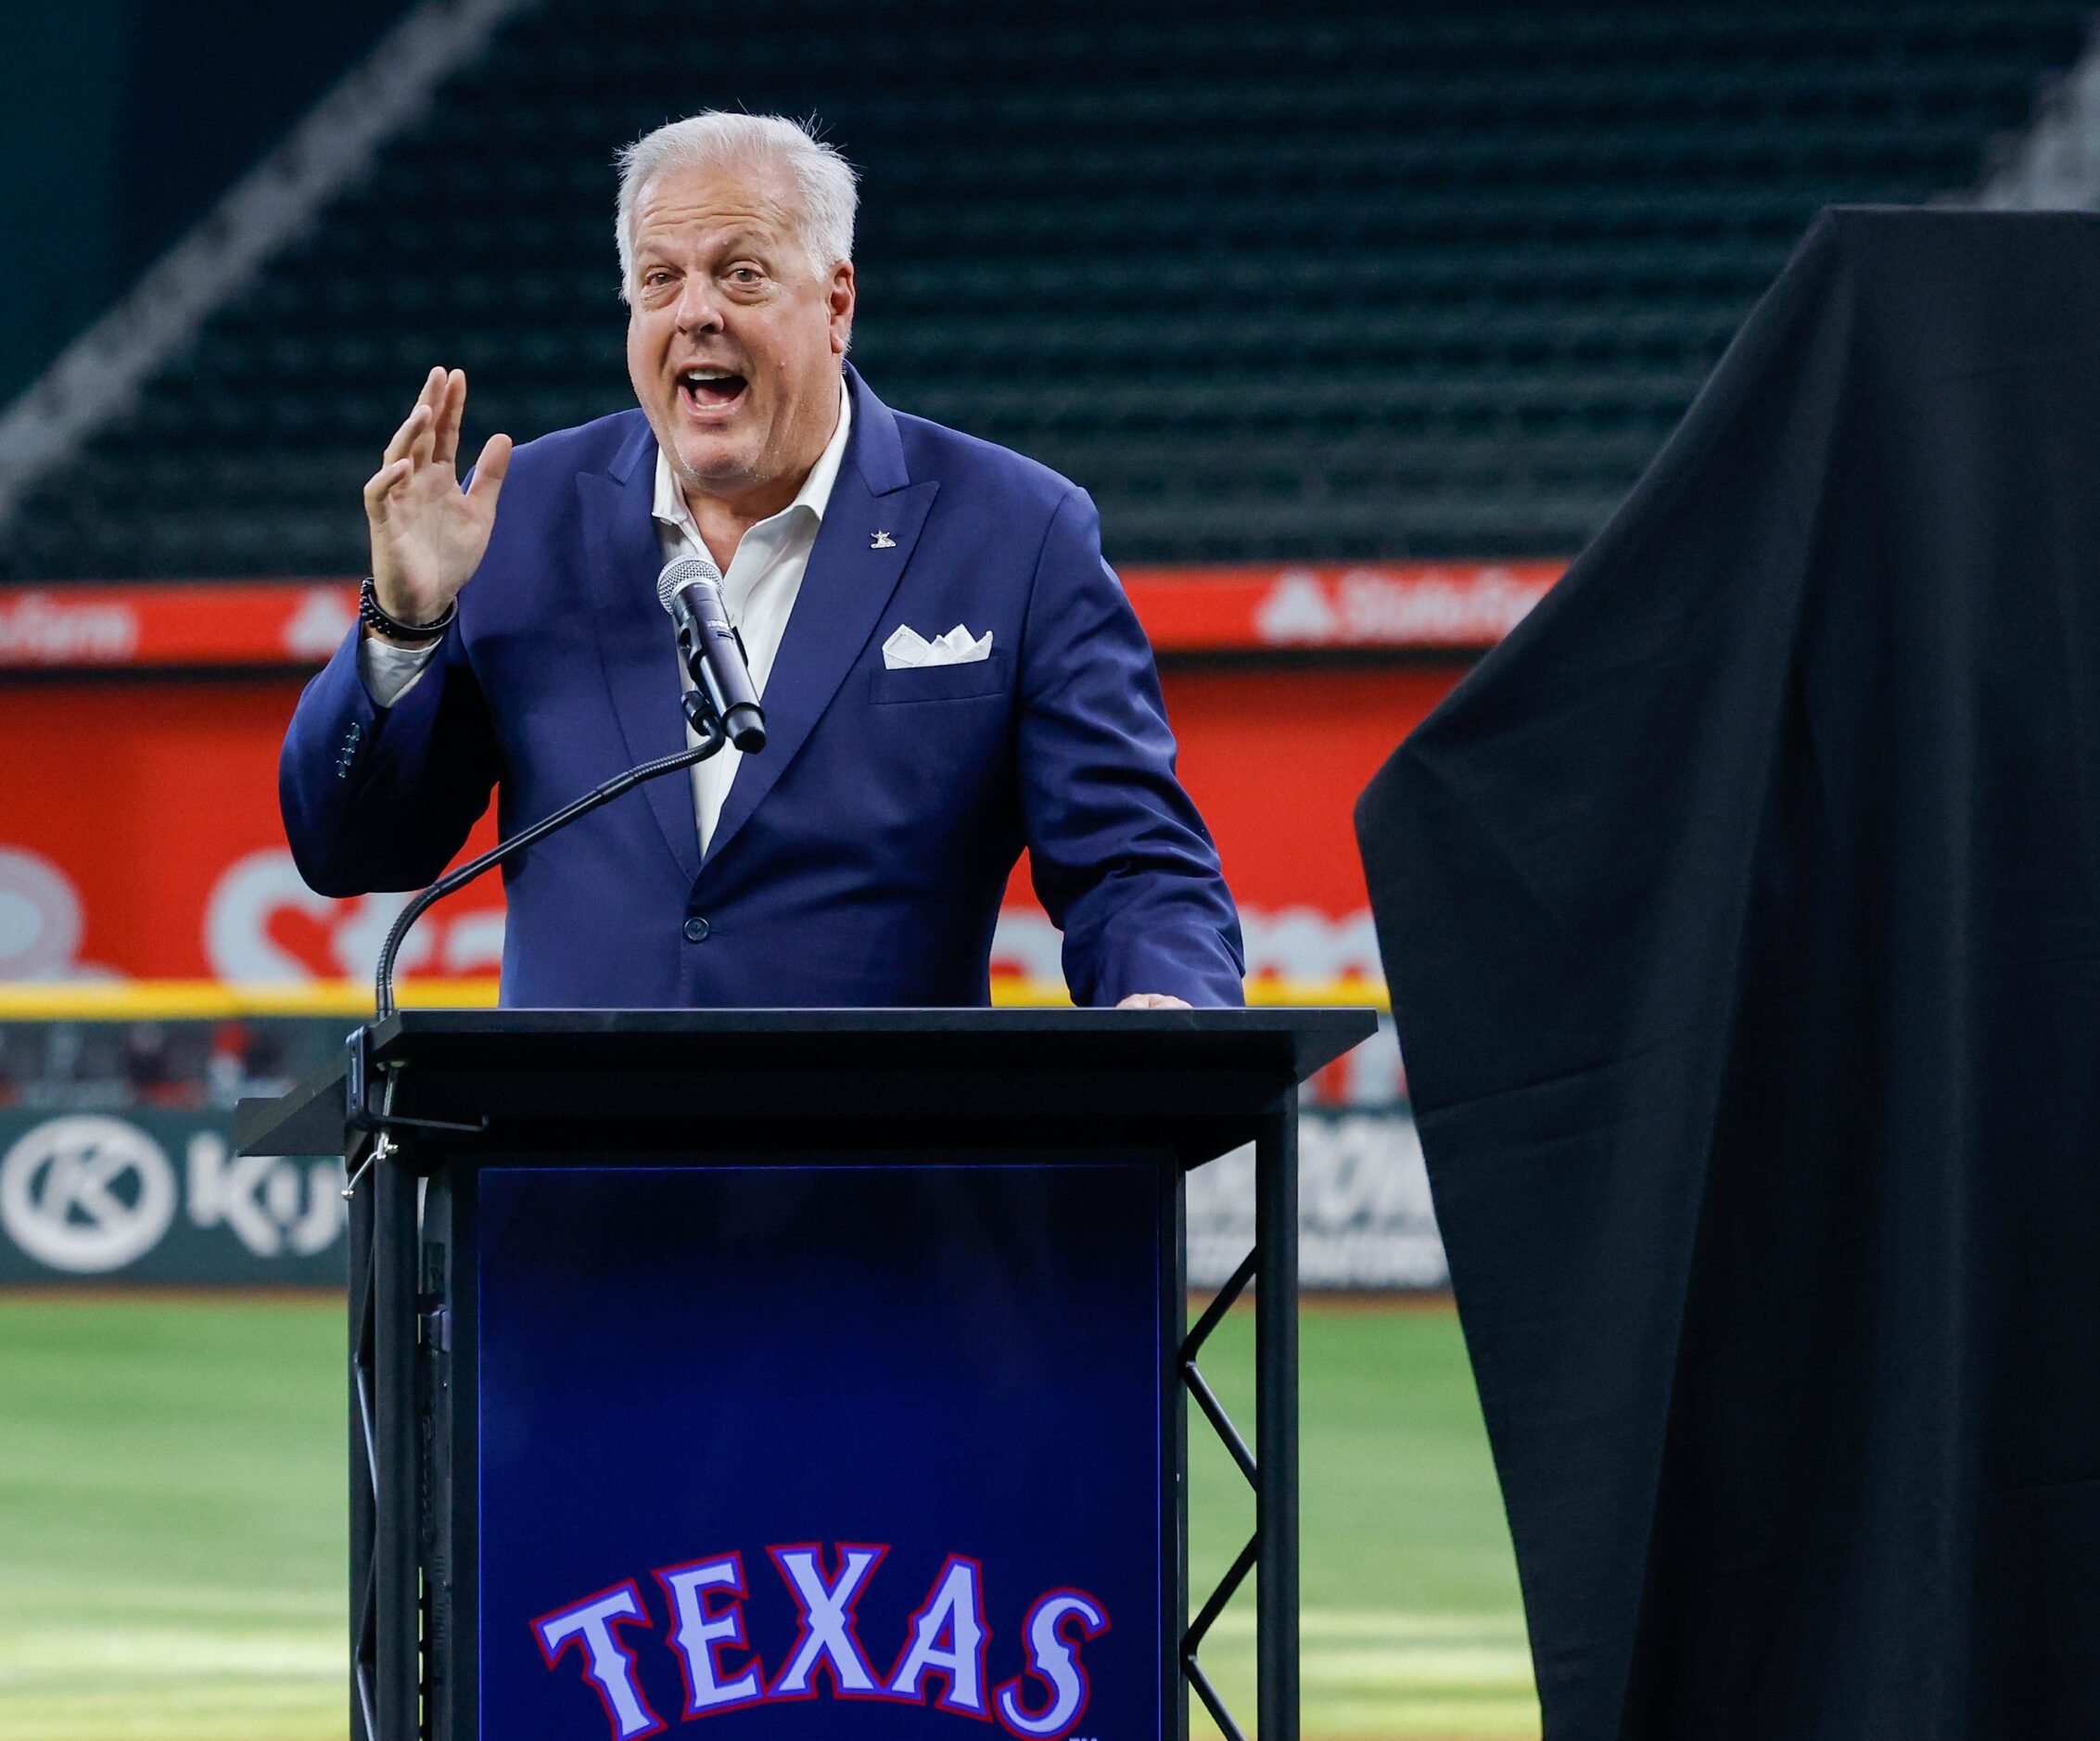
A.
pixel 949 670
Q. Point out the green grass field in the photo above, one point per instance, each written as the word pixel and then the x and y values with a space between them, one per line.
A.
pixel 171 1534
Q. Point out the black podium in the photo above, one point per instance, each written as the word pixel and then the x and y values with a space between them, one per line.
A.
pixel 816 1365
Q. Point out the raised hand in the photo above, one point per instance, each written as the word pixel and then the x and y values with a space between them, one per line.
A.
pixel 427 533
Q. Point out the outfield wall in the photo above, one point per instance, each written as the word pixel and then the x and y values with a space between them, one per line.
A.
pixel 140 726
pixel 159 955
pixel 116 1165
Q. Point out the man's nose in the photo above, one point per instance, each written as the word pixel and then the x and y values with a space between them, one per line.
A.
pixel 697 311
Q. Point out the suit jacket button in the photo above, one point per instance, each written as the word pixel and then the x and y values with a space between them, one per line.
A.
pixel 696 929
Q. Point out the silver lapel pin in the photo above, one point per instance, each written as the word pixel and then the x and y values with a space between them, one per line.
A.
pixel 882 541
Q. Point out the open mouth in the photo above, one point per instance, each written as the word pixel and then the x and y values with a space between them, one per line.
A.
pixel 710 389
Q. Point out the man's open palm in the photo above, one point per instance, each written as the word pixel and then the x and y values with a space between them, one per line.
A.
pixel 428 534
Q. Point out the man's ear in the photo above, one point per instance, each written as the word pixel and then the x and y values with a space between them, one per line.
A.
pixel 840 296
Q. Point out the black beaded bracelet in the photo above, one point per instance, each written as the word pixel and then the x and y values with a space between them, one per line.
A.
pixel 374 615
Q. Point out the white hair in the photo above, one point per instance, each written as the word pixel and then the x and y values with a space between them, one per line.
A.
pixel 823 179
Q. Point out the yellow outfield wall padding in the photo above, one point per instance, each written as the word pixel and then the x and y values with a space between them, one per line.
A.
pixel 206 999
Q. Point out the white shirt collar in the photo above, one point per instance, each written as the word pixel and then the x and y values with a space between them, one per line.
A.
pixel 815 494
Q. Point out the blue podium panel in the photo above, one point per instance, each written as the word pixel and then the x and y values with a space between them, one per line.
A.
pixel 842 1450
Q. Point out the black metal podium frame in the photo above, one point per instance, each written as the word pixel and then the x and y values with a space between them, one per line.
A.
pixel 423 1085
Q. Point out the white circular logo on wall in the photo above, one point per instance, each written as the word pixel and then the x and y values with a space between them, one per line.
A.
pixel 40 916
pixel 86 1194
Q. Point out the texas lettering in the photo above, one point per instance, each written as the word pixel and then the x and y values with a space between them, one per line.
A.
pixel 941 1659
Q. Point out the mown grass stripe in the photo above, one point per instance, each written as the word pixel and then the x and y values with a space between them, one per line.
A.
pixel 171 1488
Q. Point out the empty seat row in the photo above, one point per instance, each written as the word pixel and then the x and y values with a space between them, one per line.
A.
pixel 1335 281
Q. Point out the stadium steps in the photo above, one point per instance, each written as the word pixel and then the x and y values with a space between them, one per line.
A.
pixel 1348 281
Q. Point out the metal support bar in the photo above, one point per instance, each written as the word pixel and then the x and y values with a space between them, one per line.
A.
pixel 1275 1420
pixel 1221 1302
pixel 1192 1641
pixel 398 1701
pixel 1221 1713
pixel 1227 1586
pixel 363 1487
pixel 1213 1411
pixel 1248 1467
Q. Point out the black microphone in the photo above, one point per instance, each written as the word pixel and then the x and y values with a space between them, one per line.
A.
pixel 690 587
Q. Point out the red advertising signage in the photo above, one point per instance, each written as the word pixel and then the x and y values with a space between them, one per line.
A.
pixel 1456 606
pixel 139 835
pixel 140 839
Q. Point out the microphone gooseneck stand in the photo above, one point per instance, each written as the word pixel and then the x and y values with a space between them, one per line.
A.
pixel 711 739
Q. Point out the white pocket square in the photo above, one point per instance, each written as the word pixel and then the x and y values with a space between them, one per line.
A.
pixel 908 650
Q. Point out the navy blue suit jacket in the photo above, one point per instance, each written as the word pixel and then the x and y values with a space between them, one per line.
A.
pixel 861 857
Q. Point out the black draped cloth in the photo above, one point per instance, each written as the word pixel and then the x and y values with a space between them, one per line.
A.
pixel 1742 919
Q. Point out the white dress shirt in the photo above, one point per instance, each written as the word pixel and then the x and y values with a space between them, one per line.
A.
pixel 760 587
pixel 763 581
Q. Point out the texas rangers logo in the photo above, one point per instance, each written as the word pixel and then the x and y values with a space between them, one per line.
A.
pixel 942 1661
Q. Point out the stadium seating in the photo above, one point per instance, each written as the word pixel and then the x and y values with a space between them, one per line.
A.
pixel 1317 282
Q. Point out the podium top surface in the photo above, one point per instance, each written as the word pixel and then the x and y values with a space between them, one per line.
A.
pixel 1302 1039
pixel 749 1044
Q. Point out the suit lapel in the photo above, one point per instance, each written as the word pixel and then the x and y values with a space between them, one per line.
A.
pixel 845 590
pixel 620 558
